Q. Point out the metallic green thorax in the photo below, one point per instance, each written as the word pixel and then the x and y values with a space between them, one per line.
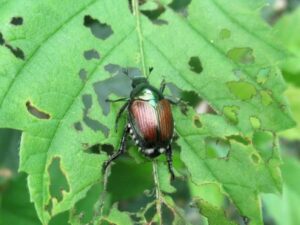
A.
pixel 144 91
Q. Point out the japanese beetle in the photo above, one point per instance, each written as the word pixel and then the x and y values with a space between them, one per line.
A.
pixel 149 121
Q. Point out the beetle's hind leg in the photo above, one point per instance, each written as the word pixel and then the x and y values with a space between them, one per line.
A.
pixel 121 150
pixel 170 161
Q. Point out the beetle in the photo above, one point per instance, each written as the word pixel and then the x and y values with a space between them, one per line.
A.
pixel 149 121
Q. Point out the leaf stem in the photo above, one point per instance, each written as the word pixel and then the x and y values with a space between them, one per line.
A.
pixel 157 191
pixel 100 202
pixel 136 13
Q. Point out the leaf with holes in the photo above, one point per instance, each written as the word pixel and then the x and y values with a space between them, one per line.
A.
pixel 60 61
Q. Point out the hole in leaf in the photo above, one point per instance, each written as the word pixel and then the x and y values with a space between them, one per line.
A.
pixel 230 112
pixel 82 209
pixel 241 89
pixel 91 54
pixel 150 213
pixel 95 125
pixel 153 15
pixel 17 21
pixel 216 147
pixel 108 149
pixel 58 180
pixel 83 74
pixel 225 34
pixel 119 84
pixel 241 55
pixel 255 122
pixel 119 178
pixel 190 97
pixel 17 52
pixel 98 148
pixel 36 112
pixel 197 122
pixel 266 97
pixel 167 215
pixel 180 6
pixel 141 2
pixel 95 149
pixel 195 64
pixel 232 212
pixel 98 29
pixel 78 126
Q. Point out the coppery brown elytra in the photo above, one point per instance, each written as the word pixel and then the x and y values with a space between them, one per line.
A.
pixel 149 121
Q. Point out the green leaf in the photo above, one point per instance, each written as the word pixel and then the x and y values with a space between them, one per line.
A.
pixel 285 209
pixel 214 215
pixel 293 96
pixel 116 217
pixel 58 67
pixel 288 28
pixel 246 168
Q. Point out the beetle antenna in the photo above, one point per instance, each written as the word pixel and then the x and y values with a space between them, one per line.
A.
pixel 150 70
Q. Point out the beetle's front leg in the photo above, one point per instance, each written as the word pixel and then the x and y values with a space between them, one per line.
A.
pixel 121 150
pixel 162 86
pixel 116 100
pixel 170 161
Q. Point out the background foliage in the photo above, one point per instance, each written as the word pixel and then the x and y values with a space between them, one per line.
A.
pixel 59 61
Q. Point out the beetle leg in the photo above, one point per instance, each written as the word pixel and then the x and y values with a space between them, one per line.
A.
pixel 121 150
pixel 162 86
pixel 116 100
pixel 119 115
pixel 170 161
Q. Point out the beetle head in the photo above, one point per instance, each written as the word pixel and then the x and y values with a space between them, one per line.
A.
pixel 138 80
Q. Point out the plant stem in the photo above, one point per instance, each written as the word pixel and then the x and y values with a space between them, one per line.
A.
pixel 100 203
pixel 157 191
pixel 136 12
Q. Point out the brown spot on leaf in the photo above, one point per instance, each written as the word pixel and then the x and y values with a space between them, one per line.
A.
pixel 33 110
